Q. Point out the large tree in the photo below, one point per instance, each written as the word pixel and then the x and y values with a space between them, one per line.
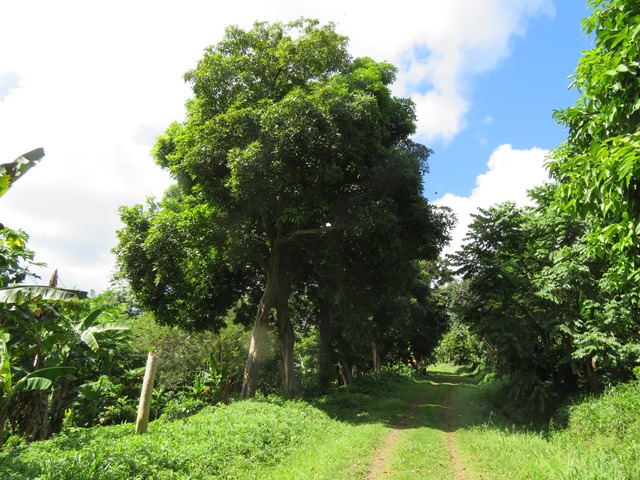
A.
pixel 286 138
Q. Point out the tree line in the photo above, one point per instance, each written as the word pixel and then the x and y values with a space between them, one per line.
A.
pixel 553 289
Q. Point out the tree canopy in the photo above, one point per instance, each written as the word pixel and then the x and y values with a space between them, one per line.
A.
pixel 288 142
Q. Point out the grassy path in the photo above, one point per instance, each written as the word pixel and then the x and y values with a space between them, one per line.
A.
pixel 450 432
pixel 423 443
pixel 452 447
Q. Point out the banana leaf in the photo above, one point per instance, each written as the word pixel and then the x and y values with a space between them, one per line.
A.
pixel 42 379
pixel 10 172
pixel 87 335
pixel 21 294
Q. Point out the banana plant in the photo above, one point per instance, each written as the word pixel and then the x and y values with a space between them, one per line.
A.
pixel 41 379
pixel 50 338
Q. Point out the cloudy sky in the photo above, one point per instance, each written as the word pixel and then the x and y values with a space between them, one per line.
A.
pixel 95 83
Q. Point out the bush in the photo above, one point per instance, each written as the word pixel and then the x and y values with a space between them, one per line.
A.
pixel 102 402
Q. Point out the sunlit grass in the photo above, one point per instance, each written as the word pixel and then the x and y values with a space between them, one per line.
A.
pixel 266 438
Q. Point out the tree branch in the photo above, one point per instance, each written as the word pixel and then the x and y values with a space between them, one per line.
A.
pixel 308 231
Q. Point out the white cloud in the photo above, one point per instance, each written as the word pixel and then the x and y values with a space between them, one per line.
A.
pixel 510 174
pixel 452 43
pixel 99 80
pixel 441 114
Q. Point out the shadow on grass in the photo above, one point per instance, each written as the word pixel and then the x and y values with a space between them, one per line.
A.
pixel 402 404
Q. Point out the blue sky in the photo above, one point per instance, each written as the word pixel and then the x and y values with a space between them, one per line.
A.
pixel 95 82
pixel 513 103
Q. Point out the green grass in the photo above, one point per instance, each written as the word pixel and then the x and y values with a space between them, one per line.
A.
pixel 227 442
pixel 422 449
pixel 265 438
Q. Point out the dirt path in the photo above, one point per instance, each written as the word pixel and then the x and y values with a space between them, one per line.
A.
pixel 390 442
pixel 378 468
pixel 458 467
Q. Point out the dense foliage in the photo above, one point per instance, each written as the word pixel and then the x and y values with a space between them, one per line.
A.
pixel 536 298
pixel 598 174
pixel 553 289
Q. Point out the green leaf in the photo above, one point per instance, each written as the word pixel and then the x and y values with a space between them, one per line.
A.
pixel 110 326
pixel 88 338
pixel 43 379
pixel 34 383
pixel 5 362
pixel 90 319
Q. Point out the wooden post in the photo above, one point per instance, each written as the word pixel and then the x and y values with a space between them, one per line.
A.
pixel 145 395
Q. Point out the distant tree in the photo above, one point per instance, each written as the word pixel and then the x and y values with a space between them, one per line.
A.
pixel 500 263
pixel 286 138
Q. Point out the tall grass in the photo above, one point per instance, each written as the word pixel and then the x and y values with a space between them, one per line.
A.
pixel 334 437
pixel 225 442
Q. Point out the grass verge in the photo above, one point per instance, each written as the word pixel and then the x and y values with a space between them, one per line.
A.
pixel 601 441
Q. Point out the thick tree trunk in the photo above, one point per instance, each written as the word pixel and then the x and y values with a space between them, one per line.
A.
pixel 257 347
pixel 285 329
pixel 260 328
pixel 285 332
pixel 345 372
pixel 286 341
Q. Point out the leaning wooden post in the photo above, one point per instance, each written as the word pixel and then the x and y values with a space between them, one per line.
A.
pixel 146 394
